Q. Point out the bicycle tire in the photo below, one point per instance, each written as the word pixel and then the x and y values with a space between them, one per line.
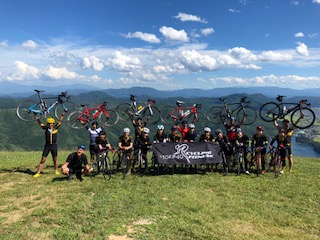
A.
pixel 123 110
pixel 116 160
pixel 307 120
pixel 258 165
pixel 246 116
pixel 59 109
pixel 25 114
pixel 74 122
pixel 107 167
pixel 268 161
pixel 110 120
pixel 277 165
pixel 269 111
pixel 214 114
pixel 239 163
pixel 124 165
pixel 224 164
pixel 169 115
pixel 151 118
pixel 99 162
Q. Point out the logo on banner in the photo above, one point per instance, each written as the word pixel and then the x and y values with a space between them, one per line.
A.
pixel 182 152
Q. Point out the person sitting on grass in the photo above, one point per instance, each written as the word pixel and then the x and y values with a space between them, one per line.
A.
pixel 77 163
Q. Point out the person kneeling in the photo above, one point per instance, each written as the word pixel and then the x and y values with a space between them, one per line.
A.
pixel 77 163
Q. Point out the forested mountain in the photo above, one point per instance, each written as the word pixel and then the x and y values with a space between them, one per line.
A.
pixel 18 135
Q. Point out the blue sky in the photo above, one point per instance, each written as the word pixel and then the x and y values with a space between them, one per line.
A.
pixel 161 44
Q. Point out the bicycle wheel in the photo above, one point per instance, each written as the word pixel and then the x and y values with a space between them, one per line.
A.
pixel 303 118
pixel 224 164
pixel 153 115
pixel 239 163
pixel 277 165
pixel 99 162
pixel 67 105
pixel 109 119
pixel 124 165
pixel 116 160
pixel 169 115
pixel 269 111
pixel 247 115
pixel 214 114
pixel 74 122
pixel 192 118
pixel 26 110
pixel 268 161
pixel 258 164
pixel 123 110
pixel 107 167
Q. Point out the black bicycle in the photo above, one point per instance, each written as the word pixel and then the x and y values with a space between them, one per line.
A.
pixel 302 116
pixel 244 113
pixel 103 163
pixel 120 159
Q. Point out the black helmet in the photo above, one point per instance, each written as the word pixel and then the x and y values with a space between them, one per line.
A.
pixel 94 123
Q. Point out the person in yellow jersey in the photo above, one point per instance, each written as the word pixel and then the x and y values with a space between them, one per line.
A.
pixel 50 131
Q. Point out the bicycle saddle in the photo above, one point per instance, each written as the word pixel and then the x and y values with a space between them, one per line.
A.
pixel 38 91
pixel 279 98
pixel 133 98
pixel 179 103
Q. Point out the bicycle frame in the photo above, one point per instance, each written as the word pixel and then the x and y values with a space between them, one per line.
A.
pixel 182 114
pixel 228 112
pixel 144 108
pixel 86 116
pixel 293 106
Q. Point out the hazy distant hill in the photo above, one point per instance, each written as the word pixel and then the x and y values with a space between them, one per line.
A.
pixel 19 90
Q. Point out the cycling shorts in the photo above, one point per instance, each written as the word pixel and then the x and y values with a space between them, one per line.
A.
pixel 53 148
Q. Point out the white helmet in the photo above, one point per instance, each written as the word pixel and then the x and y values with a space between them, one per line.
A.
pixel 126 130
pixel 191 125
pixel 146 130
pixel 207 129
pixel 160 127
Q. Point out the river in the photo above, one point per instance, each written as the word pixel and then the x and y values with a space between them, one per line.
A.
pixel 304 150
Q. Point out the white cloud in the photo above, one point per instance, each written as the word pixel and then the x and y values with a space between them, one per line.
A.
pixel 196 62
pixel 233 10
pixel 316 1
pixel 173 34
pixel 23 71
pixel 295 3
pixel 313 35
pixel 188 17
pixel 302 49
pixel 60 73
pixel 124 63
pixel 92 62
pixel 299 34
pixel 147 37
pixel 273 56
pixel 242 54
pixel 29 45
pixel 243 2
pixel 4 44
pixel 207 31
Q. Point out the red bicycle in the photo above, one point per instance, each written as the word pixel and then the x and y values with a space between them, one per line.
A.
pixel 82 117
pixel 170 114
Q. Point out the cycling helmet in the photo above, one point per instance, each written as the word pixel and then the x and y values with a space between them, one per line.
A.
pixel 126 130
pixel 191 125
pixel 146 130
pixel 239 130
pixel 217 131
pixel 94 123
pixel 50 120
pixel 184 122
pixel 160 127
pixel 260 128
pixel 207 129
pixel 174 128
pixel 233 119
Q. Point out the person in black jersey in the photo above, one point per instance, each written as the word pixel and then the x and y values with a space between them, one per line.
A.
pixel 50 131
pixel 77 163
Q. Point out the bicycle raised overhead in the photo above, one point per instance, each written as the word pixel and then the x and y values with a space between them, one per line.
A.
pixel 145 110
pixel 27 109
pixel 245 114
pixel 82 117
pixel 170 114
pixel 302 116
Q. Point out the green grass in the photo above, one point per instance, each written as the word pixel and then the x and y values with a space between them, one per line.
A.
pixel 179 206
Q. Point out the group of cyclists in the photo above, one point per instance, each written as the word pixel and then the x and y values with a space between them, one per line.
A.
pixel 232 142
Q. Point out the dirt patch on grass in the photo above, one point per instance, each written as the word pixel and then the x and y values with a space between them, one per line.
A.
pixel 132 228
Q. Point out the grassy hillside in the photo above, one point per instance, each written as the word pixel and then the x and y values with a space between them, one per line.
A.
pixel 180 206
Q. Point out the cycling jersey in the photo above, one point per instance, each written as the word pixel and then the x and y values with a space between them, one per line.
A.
pixel 125 142
pixel 183 132
pixel 94 133
pixel 231 131
pixel 206 138
pixel 261 142
pixel 144 143
pixel 77 162
pixel 160 138
pixel 174 138
pixel 50 133
pixel 190 137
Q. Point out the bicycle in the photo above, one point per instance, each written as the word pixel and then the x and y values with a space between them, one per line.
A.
pixel 245 114
pixel 82 117
pixel 121 160
pixel 170 114
pixel 224 163
pixel 239 151
pixel 147 111
pixel 103 163
pixel 141 160
pixel 302 116
pixel 27 109
pixel 256 159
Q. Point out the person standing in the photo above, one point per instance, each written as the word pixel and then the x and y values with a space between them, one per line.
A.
pixel 93 134
pixel 50 131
